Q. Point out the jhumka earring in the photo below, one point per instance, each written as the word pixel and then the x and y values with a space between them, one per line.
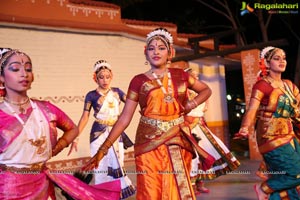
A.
pixel 146 62
pixel 2 90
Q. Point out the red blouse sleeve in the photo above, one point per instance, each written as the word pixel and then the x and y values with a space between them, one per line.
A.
pixel 135 86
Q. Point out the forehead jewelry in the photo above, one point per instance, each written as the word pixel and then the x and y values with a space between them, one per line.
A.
pixel 168 97
pixel 160 33
pixel 8 53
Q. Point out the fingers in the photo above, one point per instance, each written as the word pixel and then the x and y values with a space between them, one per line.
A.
pixel 240 136
pixel 70 151
pixel 91 164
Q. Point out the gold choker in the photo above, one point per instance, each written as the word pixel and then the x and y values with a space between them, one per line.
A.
pixel 21 104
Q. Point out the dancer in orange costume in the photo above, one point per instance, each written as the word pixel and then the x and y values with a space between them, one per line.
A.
pixel 163 144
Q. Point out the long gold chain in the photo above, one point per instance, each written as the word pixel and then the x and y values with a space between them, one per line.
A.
pixel 168 97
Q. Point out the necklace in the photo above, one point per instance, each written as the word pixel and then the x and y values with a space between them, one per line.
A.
pixel 289 94
pixel 104 92
pixel 287 91
pixel 39 143
pixel 21 104
pixel 167 95
pixel 275 83
pixel 108 96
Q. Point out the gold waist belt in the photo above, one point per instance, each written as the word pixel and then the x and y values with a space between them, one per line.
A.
pixel 106 122
pixel 162 125
pixel 37 167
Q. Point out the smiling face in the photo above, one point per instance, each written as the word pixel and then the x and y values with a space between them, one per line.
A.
pixel 157 52
pixel 277 62
pixel 17 73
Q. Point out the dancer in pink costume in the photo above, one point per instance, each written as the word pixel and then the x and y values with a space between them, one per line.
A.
pixel 28 139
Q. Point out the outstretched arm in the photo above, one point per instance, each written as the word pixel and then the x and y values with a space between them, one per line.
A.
pixel 248 119
pixel 81 124
pixel 119 127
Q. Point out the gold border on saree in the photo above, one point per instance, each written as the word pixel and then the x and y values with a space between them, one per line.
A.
pixel 34 168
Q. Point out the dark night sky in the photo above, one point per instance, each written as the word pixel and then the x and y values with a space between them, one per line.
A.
pixel 190 16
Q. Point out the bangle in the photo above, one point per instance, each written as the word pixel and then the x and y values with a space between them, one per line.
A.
pixel 63 142
pixel 103 149
pixel 244 130
pixel 105 146
pixel 60 145
pixel 195 102
pixel 192 104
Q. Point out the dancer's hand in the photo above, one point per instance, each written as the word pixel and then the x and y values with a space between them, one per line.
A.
pixel 74 147
pixel 243 134
pixel 93 163
pixel 189 106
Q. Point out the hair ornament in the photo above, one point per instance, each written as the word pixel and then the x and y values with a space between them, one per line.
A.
pixel 263 69
pixel 101 64
pixel 265 51
pixel 4 50
pixel 160 32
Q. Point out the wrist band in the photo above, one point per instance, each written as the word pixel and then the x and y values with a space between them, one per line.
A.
pixel 195 102
pixel 105 146
pixel 244 130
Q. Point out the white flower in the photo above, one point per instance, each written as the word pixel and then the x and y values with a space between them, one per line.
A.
pixel 103 64
pixel 265 50
pixel 4 50
pixel 164 33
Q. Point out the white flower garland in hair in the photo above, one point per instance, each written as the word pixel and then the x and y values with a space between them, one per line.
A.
pixel 103 64
pixel 4 50
pixel 167 35
pixel 265 50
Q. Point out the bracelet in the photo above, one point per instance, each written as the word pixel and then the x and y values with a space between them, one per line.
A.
pixel 195 102
pixel 105 146
pixel 60 145
pixel 103 149
pixel 244 130
pixel 63 142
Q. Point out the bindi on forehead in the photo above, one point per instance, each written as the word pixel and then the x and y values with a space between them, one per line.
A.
pixel 155 43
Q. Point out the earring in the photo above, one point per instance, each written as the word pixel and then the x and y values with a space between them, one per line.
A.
pixel 2 90
pixel 146 62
